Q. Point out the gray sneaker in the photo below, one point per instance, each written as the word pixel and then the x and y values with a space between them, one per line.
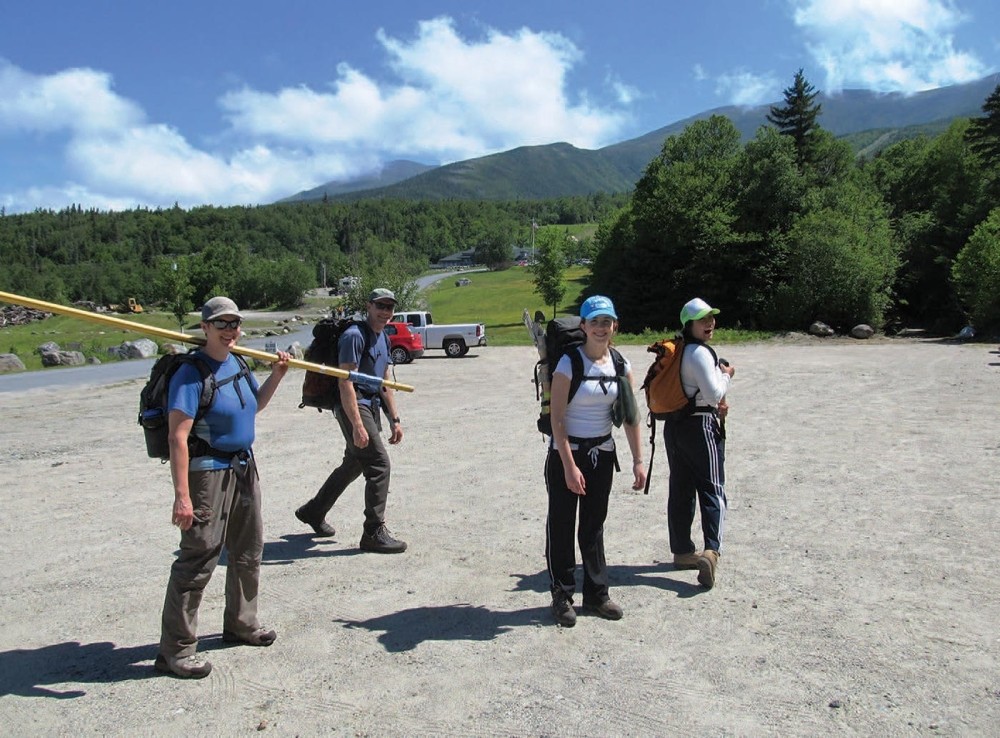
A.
pixel 381 541
pixel 185 667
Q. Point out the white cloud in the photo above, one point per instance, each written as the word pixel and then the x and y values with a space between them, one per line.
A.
pixel 744 88
pixel 453 99
pixel 886 45
pixel 80 99
pixel 450 98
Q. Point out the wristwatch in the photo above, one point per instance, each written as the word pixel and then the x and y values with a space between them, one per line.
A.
pixel 394 421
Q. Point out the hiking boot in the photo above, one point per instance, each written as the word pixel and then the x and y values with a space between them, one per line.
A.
pixel 608 609
pixel 686 561
pixel 320 527
pixel 562 609
pixel 707 563
pixel 381 541
pixel 184 667
pixel 259 637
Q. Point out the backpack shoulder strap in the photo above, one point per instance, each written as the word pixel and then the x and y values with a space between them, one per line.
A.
pixel 576 372
pixel 619 361
pixel 715 360
pixel 208 385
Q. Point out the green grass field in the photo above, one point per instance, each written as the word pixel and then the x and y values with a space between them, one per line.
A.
pixel 73 334
pixel 498 299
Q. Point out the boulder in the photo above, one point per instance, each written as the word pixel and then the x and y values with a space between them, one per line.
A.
pixel 10 363
pixel 862 331
pixel 143 348
pixel 63 358
pixel 819 328
pixel 47 348
pixel 174 348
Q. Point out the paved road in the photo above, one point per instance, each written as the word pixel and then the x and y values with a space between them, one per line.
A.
pixel 123 371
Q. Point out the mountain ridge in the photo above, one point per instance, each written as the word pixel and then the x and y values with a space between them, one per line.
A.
pixel 869 120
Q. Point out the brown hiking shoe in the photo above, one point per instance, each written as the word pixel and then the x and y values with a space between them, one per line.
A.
pixel 707 563
pixel 259 637
pixel 607 609
pixel 321 528
pixel 381 541
pixel 562 609
pixel 195 666
pixel 686 561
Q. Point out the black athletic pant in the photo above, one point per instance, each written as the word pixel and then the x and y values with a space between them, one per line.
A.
pixel 696 453
pixel 560 549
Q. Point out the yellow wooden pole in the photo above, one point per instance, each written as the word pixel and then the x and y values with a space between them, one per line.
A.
pixel 333 371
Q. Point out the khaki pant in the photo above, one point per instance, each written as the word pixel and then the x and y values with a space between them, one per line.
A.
pixel 226 513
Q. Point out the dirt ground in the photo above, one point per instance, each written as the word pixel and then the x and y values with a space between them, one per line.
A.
pixel 857 590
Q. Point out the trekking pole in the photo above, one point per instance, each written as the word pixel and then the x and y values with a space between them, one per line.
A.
pixel 333 371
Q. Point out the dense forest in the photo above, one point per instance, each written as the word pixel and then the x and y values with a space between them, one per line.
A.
pixel 780 230
pixel 791 227
pixel 261 256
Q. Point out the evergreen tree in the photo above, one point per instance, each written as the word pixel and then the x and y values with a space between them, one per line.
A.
pixel 797 118
pixel 983 136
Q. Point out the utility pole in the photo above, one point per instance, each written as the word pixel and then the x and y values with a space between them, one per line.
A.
pixel 534 227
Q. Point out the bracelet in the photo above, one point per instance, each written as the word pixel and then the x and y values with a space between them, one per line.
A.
pixel 394 421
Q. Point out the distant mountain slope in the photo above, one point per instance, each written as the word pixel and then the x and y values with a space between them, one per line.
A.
pixel 393 172
pixel 871 121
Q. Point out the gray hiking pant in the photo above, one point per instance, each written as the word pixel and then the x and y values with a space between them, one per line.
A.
pixel 226 513
pixel 372 461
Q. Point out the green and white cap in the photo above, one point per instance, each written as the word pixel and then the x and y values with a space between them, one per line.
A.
pixel 696 309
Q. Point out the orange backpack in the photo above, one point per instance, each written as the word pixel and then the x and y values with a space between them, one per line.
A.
pixel 662 385
pixel 665 395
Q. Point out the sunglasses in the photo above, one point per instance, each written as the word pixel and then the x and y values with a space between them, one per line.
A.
pixel 385 305
pixel 222 323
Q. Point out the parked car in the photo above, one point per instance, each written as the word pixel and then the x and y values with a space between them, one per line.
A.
pixel 455 340
pixel 404 344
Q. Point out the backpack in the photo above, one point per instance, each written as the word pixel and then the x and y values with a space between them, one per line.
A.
pixel 322 391
pixel 562 336
pixel 665 396
pixel 153 398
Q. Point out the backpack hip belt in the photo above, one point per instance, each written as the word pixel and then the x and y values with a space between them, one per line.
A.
pixel 585 444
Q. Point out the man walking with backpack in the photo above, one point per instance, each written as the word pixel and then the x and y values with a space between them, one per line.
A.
pixel 216 492
pixel 363 347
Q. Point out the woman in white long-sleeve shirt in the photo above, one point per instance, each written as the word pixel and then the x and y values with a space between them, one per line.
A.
pixel 696 447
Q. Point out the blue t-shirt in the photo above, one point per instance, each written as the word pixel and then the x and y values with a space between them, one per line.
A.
pixel 374 362
pixel 229 423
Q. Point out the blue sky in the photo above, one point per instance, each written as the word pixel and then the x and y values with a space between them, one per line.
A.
pixel 115 105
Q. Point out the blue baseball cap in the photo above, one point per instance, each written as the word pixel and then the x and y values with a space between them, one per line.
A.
pixel 597 305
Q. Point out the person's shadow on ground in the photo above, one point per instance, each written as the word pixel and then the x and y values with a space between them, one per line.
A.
pixel 295 546
pixel 630 575
pixel 27 671
pixel 406 629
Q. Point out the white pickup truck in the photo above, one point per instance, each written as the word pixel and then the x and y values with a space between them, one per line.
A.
pixel 456 340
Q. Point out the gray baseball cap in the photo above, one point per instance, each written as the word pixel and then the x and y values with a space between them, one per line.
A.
pixel 217 307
